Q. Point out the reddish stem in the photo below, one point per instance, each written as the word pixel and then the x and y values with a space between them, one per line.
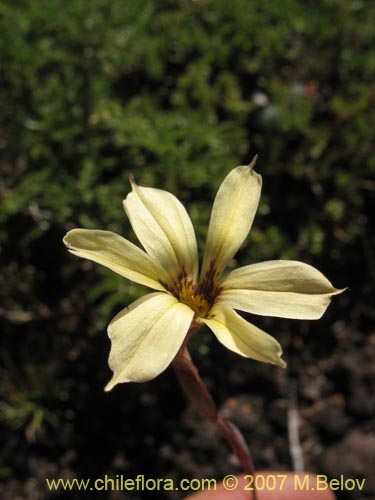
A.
pixel 198 394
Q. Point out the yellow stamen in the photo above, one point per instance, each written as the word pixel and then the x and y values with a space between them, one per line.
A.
pixel 188 294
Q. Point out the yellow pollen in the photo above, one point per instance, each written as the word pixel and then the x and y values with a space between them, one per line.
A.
pixel 189 295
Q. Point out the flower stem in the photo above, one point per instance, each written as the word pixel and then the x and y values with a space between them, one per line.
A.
pixel 200 397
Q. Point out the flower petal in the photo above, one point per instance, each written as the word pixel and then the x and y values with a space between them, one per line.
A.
pixel 112 251
pixel 146 336
pixel 164 228
pixel 242 337
pixel 232 215
pixel 281 288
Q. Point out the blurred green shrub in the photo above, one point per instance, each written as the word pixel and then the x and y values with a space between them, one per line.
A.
pixel 22 392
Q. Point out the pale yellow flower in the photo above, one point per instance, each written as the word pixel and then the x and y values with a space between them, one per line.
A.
pixel 147 335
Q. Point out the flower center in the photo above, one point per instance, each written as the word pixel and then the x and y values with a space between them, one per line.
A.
pixel 189 294
pixel 199 297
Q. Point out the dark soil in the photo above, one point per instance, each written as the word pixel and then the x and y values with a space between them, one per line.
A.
pixel 149 429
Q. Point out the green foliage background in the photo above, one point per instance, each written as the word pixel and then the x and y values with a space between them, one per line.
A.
pixel 177 93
